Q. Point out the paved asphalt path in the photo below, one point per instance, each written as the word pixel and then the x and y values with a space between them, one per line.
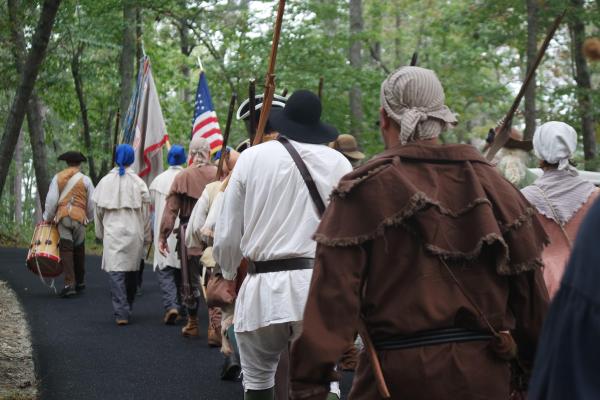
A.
pixel 80 353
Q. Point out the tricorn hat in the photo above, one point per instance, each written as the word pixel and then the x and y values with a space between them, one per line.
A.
pixel 300 119
pixel 243 111
pixel 72 157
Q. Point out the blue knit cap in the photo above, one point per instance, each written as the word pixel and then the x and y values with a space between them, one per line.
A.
pixel 124 157
pixel 176 155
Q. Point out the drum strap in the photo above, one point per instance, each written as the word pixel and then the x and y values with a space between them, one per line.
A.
pixel 70 185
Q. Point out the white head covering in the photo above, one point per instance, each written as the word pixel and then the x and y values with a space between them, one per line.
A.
pixel 200 150
pixel 555 142
pixel 414 98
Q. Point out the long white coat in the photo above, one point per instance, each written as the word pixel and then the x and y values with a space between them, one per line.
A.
pixel 122 220
pixel 159 190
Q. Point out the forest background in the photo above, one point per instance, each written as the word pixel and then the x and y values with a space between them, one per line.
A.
pixel 480 50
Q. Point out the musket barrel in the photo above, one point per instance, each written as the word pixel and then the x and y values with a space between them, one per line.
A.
pixel 226 135
pixel 503 135
pixel 270 77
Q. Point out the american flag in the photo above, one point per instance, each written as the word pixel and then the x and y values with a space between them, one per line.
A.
pixel 205 118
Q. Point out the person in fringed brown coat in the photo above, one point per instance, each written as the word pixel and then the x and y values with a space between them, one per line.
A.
pixel 186 189
pixel 402 235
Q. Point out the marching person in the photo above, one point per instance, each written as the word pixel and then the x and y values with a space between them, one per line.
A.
pixel 185 191
pixel 346 144
pixel 123 223
pixel 432 256
pixel 69 204
pixel 568 359
pixel 512 159
pixel 561 196
pixel 268 217
pixel 200 234
pixel 167 268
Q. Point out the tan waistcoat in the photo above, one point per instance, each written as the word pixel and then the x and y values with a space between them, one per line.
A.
pixel 74 204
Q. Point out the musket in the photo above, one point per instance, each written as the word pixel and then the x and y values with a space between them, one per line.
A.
pixel 270 77
pixel 504 132
pixel 188 298
pixel 320 91
pixel 414 59
pixel 226 135
pixel 252 107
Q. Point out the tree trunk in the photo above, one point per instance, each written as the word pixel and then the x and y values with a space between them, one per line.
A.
pixel 35 122
pixel 356 29
pixel 85 121
pixel 532 29
pixel 34 108
pixel 32 65
pixel 18 183
pixel 582 77
pixel 397 43
pixel 186 50
pixel 127 53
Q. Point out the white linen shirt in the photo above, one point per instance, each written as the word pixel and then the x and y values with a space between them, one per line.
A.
pixel 268 214
pixel 159 190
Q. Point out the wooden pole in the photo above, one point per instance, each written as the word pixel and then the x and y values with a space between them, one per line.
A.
pixel 226 135
pixel 270 77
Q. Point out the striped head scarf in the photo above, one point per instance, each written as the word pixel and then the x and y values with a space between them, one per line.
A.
pixel 200 150
pixel 414 98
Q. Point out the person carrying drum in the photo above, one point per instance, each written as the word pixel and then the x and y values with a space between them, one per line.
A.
pixel 69 204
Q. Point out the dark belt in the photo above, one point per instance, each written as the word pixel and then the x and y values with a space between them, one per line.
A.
pixel 286 264
pixel 429 338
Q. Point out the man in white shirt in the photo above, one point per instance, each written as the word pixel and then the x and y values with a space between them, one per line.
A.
pixel 69 204
pixel 167 268
pixel 269 218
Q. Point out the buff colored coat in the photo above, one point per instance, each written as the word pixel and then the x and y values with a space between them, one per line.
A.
pixel 122 220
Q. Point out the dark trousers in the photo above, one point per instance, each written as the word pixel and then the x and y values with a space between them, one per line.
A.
pixel 123 286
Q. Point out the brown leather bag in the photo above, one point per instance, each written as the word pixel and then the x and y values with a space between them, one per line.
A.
pixel 220 292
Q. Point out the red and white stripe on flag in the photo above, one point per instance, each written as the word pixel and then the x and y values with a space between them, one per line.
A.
pixel 207 126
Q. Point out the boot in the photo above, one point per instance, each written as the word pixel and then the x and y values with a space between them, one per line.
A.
pixel 214 336
pixel 171 316
pixel 191 329
pixel 79 266
pixel 231 368
pixel 66 258
pixel 67 291
pixel 267 394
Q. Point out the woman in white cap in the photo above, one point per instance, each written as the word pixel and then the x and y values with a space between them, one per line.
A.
pixel 561 196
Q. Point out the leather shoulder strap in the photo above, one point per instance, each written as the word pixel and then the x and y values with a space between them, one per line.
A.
pixel 70 185
pixel 308 180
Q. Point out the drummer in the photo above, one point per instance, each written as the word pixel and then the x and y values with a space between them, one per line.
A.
pixel 69 204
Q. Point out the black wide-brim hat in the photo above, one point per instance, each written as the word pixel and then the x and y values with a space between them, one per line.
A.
pixel 72 157
pixel 300 119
